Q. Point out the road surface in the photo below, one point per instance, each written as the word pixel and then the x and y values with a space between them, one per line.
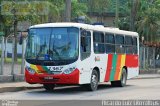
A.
pixel 136 89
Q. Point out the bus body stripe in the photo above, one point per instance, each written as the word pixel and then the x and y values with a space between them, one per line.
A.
pixel 109 67
pixel 118 67
pixel 41 69
pixel 122 65
pixel 114 62
pixel 45 68
pixel 34 67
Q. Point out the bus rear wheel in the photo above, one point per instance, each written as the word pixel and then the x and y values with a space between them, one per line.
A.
pixel 94 82
pixel 49 87
pixel 122 81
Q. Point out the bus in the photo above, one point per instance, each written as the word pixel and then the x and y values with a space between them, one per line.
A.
pixel 80 54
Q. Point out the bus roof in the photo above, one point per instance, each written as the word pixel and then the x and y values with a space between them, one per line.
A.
pixel 87 26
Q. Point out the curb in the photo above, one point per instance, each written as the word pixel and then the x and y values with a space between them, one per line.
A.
pixel 145 78
pixel 15 89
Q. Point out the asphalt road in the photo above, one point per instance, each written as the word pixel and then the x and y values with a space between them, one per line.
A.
pixel 137 89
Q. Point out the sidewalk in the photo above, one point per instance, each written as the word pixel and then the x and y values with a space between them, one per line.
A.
pixel 147 76
pixel 19 86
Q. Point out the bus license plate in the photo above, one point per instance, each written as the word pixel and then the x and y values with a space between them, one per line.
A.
pixel 48 78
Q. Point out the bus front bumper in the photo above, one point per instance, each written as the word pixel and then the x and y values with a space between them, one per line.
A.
pixel 72 78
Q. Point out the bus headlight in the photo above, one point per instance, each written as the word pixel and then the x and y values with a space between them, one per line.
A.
pixel 69 70
pixel 30 70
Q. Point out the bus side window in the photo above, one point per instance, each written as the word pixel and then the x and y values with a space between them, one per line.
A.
pixel 85 45
pixel 109 43
pixel 120 44
pixel 135 49
pixel 129 44
pixel 98 40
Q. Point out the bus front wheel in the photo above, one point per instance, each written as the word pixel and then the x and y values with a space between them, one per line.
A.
pixel 122 81
pixel 94 81
pixel 49 87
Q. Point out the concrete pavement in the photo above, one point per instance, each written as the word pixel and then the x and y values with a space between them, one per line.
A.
pixel 147 76
pixel 18 86
pixel 136 89
pixel 7 74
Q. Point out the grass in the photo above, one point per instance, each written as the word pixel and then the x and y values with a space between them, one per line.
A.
pixel 9 60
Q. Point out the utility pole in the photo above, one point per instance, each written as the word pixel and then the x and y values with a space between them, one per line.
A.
pixel 117 13
pixel 68 11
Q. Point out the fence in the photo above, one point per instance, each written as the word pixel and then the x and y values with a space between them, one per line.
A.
pixel 7 64
pixel 149 58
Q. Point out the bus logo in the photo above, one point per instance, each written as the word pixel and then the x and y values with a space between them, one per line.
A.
pixel 97 58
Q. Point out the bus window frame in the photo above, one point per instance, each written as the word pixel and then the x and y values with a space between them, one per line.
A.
pixel 128 44
pixel 102 42
pixel 119 45
pixel 135 45
pixel 111 44
pixel 81 52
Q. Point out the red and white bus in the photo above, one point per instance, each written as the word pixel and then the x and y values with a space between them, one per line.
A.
pixel 76 53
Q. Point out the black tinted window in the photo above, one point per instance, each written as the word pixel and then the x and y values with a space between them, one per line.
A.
pixel 119 39
pixel 99 48
pixel 98 37
pixel 110 48
pixel 109 38
pixel 134 41
pixel 128 40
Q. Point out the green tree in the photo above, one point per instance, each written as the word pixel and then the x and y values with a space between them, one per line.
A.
pixel 143 17
pixel 99 7
pixel 78 9
pixel 13 13
pixel 147 20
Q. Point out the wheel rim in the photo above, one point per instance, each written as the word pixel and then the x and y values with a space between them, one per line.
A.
pixel 94 81
pixel 123 78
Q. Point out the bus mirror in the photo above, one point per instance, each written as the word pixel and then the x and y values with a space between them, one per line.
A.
pixel 83 41
pixel 83 32
pixel 83 37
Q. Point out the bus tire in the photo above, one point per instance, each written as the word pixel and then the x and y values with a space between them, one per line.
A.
pixel 49 87
pixel 94 82
pixel 122 81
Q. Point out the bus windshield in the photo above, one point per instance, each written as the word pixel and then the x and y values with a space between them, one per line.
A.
pixel 52 44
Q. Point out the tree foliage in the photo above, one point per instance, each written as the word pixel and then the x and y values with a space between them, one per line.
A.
pixel 147 19
pixel 14 11
pixel 146 22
